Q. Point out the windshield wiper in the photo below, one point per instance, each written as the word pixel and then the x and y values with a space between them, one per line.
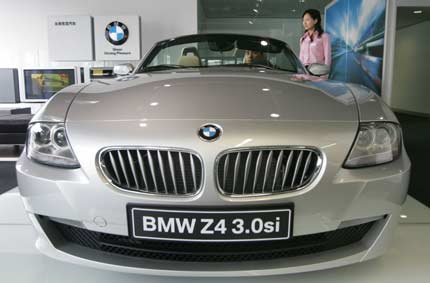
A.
pixel 258 66
pixel 250 66
pixel 162 67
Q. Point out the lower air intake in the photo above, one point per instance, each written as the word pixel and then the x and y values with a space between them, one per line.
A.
pixel 212 252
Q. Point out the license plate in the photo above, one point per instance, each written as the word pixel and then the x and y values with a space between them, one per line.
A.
pixel 211 225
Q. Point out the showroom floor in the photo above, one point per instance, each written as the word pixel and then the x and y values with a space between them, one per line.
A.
pixel 406 261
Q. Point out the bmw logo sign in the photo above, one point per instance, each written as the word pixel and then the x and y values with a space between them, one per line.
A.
pixel 209 132
pixel 116 33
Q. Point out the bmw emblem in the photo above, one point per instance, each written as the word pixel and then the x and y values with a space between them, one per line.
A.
pixel 209 132
pixel 116 33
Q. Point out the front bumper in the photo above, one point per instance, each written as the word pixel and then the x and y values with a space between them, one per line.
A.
pixel 348 197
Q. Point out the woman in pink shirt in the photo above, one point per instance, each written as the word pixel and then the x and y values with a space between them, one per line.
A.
pixel 315 46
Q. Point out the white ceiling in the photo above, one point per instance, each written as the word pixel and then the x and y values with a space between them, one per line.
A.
pixel 406 16
pixel 215 9
pixel 266 8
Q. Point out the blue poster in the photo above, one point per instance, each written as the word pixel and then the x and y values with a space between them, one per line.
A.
pixel 357 30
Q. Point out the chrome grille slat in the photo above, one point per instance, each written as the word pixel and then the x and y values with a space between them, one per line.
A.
pixel 133 169
pixel 287 168
pixel 162 171
pixel 284 169
pixel 227 160
pixel 236 171
pixel 277 169
pixel 184 176
pixel 124 171
pixel 308 160
pixel 172 171
pixel 142 171
pixel 257 170
pixel 296 170
pixel 113 162
pixel 193 170
pixel 247 167
pixel 267 171
pixel 163 174
pixel 151 168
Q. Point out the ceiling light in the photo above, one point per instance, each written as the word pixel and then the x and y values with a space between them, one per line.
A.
pixel 275 115
pixel 264 43
pixel 154 103
pixel 255 10
pixel 403 216
pixel 418 11
pixel 265 89
pixel 251 22
pixel 167 85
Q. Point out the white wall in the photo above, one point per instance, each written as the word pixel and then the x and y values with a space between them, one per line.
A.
pixel 24 33
pixel 411 88
pixel 24 25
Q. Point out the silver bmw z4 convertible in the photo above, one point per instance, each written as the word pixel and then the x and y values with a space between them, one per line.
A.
pixel 219 155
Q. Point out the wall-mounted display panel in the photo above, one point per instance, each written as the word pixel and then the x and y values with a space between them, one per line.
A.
pixel 38 85
pixel 70 38
pixel 101 73
pixel 117 38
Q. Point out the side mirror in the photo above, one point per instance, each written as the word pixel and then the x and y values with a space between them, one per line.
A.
pixel 319 69
pixel 123 69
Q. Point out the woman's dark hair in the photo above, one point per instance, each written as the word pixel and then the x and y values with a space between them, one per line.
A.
pixel 316 15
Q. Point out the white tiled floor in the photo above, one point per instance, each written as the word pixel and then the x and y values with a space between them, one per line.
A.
pixel 415 212
pixel 408 260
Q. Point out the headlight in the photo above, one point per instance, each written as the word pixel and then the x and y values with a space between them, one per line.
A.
pixel 47 143
pixel 376 143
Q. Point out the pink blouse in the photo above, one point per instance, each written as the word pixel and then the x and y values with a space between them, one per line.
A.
pixel 317 51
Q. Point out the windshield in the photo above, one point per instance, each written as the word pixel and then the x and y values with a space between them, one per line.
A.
pixel 205 51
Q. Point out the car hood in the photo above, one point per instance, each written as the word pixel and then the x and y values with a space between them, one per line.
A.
pixel 221 94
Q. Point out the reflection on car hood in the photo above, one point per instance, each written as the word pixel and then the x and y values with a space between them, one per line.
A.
pixel 216 93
